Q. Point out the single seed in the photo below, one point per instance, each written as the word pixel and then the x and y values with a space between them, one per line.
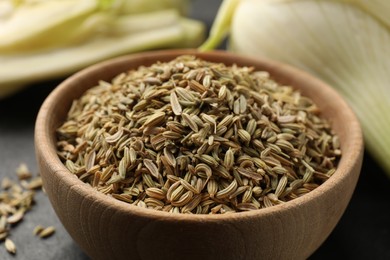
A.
pixel 16 217
pixel 10 246
pixel 47 232
pixel 243 104
pixel 115 137
pixel 155 193
pixel 155 119
pixel 176 194
pixel 251 127
pixel 244 135
pixel 38 229
pixel 183 200
pixel 250 174
pixel 176 107
pixel 212 188
pixel 281 186
pixel 227 191
pixel 209 160
pixel 149 164
pixel 222 92
pixel 246 206
pixel 192 204
pixel 229 159
pixel 195 85
pixel 23 172
pixel 189 121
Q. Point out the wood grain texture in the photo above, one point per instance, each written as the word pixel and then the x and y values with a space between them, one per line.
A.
pixel 109 229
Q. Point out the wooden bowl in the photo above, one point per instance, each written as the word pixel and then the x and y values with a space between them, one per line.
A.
pixel 106 228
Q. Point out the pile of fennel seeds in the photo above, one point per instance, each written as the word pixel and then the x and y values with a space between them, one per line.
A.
pixel 16 199
pixel 192 136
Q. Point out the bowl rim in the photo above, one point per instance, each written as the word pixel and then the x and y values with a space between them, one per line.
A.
pixel 350 157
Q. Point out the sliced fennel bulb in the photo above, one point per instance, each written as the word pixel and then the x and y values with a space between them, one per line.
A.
pixel 143 6
pixel 345 43
pixel 38 25
pixel 45 39
pixel 35 25
pixel 377 8
pixel 50 64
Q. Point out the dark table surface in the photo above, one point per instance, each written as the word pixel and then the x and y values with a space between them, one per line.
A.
pixel 362 233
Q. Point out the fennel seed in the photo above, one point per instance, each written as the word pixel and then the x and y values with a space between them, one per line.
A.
pixel 46 232
pixel 16 199
pixel 192 136
pixel 10 246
